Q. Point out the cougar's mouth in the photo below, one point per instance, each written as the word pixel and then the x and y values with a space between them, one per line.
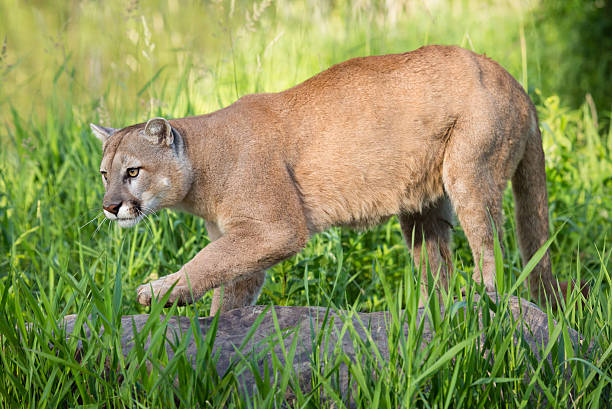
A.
pixel 130 212
pixel 128 221
pixel 128 215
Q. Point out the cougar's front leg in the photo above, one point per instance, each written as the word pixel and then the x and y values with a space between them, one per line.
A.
pixel 247 247
pixel 260 222
pixel 241 292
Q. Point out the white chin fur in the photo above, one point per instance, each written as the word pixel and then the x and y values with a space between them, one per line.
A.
pixel 125 223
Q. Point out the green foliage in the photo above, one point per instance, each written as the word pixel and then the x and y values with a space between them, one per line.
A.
pixel 578 35
pixel 65 65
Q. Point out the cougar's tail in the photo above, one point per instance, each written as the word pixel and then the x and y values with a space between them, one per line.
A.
pixel 531 208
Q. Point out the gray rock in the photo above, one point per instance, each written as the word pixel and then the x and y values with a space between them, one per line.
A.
pixel 234 326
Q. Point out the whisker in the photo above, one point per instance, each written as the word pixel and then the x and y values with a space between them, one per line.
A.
pixel 144 218
pixel 150 219
pixel 148 224
pixel 94 218
pixel 98 228
pixel 149 210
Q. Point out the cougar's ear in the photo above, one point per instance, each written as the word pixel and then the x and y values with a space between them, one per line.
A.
pixel 158 130
pixel 101 132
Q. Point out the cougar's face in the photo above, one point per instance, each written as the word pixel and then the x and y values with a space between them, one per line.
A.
pixel 143 169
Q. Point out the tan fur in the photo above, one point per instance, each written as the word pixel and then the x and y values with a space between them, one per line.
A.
pixel 412 134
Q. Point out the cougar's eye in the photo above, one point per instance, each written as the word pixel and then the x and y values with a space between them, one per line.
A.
pixel 132 172
pixel 104 174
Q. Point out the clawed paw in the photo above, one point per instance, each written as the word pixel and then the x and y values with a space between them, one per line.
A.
pixel 158 288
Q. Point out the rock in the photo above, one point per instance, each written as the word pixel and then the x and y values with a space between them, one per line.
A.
pixel 234 326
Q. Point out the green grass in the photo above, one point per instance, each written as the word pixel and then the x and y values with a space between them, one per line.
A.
pixel 68 65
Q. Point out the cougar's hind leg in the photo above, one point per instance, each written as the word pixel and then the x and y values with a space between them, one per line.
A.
pixel 239 293
pixel 470 182
pixel 431 228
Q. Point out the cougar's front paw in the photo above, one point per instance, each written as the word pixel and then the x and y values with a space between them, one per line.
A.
pixel 159 288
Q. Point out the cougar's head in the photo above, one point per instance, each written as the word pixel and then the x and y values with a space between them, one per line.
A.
pixel 144 168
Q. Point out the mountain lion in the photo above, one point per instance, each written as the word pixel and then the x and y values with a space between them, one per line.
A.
pixel 414 135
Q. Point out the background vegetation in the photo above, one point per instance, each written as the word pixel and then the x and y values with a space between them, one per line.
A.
pixel 64 65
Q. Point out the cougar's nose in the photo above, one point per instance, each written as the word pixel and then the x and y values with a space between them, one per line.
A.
pixel 113 208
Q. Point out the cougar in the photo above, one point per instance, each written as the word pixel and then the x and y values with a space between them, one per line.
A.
pixel 414 135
